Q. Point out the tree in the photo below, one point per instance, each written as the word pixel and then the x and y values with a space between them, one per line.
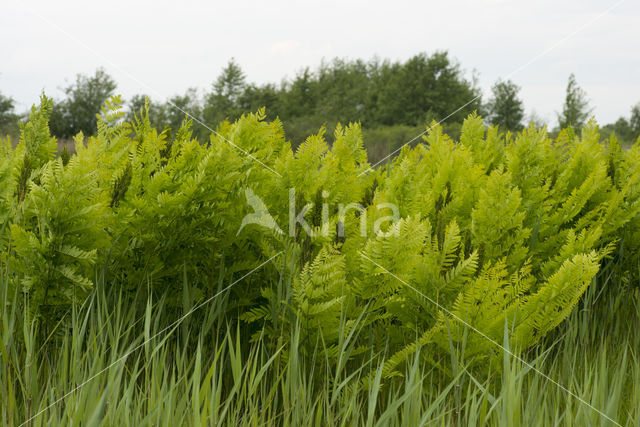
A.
pixel 85 97
pixel 576 106
pixel 268 96
pixel 344 86
pixel 405 93
pixel 634 121
pixel 224 102
pixel 300 96
pixel 8 118
pixel 623 130
pixel 505 109
pixel 626 131
pixel 179 106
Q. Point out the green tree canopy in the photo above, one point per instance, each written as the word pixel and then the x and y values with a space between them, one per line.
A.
pixel 504 108
pixel 424 86
pixel 178 106
pixel 300 96
pixel 85 97
pixel 343 87
pixel 224 102
pixel 634 121
pixel 8 118
pixel 575 110
pixel 375 93
pixel 626 131
pixel 268 95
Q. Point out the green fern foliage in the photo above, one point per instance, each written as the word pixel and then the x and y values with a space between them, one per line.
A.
pixel 436 251
pixel 62 227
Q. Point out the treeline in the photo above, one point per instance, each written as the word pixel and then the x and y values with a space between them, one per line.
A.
pixel 375 93
pixel 393 101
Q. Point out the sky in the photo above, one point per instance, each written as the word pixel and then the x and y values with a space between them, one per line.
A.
pixel 161 48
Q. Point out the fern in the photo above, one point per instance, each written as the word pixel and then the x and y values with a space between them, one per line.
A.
pixel 57 239
pixel 494 228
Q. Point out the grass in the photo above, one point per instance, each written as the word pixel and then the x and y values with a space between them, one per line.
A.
pixel 110 362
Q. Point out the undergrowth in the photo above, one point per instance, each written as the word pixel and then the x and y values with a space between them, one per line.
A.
pixel 156 279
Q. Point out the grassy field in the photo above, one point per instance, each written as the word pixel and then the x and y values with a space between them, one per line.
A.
pixel 107 363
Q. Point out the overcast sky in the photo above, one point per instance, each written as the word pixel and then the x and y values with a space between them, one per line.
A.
pixel 163 47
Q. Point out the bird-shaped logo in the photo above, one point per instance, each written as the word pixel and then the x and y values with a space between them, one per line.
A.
pixel 260 215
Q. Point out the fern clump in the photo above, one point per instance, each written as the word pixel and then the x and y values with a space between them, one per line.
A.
pixel 495 230
pixel 436 251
